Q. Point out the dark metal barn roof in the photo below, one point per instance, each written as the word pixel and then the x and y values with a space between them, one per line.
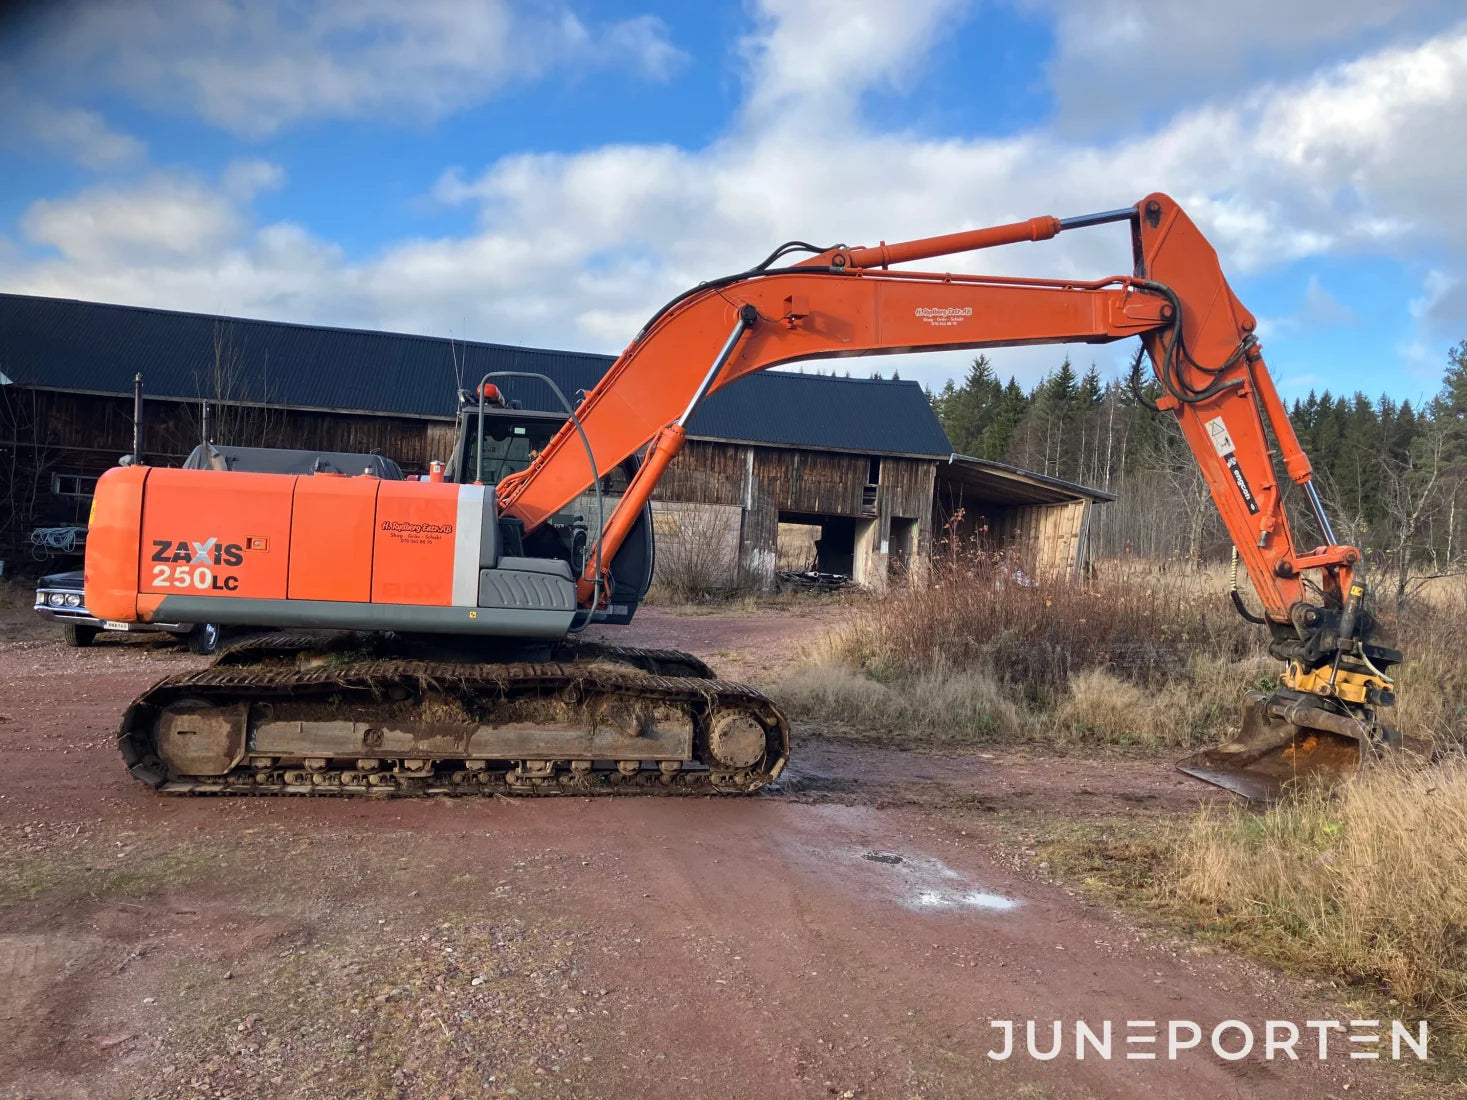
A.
pixel 64 344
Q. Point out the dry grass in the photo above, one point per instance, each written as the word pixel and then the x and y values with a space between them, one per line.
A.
pixel 955 706
pixel 1201 707
pixel 1432 684
pixel 1367 884
pixel 1136 654
pixel 1034 636
pixel 16 595
pixel 1370 882
pixel 1127 657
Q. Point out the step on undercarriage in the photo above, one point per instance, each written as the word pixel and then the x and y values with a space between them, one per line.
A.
pixel 380 715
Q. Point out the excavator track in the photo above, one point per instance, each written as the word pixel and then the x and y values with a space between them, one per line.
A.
pixel 283 714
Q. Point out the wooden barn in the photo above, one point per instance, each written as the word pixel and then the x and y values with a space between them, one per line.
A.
pixel 781 469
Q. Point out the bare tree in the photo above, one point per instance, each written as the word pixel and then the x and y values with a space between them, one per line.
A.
pixel 697 551
pixel 1412 492
pixel 239 396
pixel 29 454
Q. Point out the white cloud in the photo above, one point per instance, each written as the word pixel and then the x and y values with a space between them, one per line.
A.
pixel 80 136
pixel 252 66
pixel 818 56
pixel 244 179
pixel 164 219
pixel 643 43
pixel 1118 60
pixel 577 249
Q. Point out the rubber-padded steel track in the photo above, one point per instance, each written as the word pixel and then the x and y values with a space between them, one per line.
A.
pixel 584 680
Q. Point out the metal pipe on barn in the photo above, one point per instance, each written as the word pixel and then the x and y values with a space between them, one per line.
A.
pixel 137 419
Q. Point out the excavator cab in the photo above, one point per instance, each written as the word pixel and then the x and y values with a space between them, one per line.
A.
pixel 503 439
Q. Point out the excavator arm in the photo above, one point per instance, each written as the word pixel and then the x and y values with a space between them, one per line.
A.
pixel 1199 337
pixel 848 302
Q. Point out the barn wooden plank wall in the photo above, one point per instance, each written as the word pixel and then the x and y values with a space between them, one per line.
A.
pixel 770 481
pixel 86 433
pixel 44 433
pixel 1046 537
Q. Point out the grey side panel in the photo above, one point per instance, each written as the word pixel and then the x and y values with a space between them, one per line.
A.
pixel 468 529
pixel 552 567
pixel 519 588
pixel 513 621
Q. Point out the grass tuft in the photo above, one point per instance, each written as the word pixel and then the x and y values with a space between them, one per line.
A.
pixel 1369 882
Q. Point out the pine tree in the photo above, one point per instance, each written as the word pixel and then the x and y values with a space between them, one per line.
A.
pixel 1090 389
pixel 970 409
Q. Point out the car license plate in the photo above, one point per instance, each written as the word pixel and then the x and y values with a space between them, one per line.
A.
pixel 113 624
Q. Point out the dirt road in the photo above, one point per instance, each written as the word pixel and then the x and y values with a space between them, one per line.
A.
pixel 851 934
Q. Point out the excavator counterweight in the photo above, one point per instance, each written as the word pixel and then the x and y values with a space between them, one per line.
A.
pixel 458 597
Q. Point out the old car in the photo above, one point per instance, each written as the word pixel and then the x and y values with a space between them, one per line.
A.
pixel 60 597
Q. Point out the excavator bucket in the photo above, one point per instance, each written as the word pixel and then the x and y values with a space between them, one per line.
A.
pixel 1282 744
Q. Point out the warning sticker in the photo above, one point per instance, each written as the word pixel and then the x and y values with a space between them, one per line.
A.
pixel 1218 431
pixel 1220 438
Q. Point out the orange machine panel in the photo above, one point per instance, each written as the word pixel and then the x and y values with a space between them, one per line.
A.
pixel 216 533
pixel 413 544
pixel 112 544
pixel 331 538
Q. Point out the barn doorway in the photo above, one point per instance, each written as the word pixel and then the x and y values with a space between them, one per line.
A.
pixel 828 542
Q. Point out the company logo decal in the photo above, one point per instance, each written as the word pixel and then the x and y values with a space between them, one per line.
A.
pixel 186 563
pixel 1222 442
pixel 403 527
pixel 944 316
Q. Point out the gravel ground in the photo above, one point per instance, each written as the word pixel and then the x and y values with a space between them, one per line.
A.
pixel 850 934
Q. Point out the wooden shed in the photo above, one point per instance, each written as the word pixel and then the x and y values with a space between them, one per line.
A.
pixel 1043 522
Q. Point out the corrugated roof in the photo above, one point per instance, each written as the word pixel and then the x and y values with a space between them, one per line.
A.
pixel 811 410
pixel 1004 484
pixel 65 344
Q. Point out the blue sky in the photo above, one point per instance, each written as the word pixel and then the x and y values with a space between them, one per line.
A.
pixel 549 172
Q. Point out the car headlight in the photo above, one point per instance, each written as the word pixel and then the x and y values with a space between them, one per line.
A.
pixel 55 599
pixel 73 600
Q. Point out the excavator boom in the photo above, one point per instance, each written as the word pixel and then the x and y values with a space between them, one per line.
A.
pixel 1200 339
pixel 846 302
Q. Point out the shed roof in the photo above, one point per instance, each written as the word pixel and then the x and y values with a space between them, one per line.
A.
pixel 1003 484
pixel 94 347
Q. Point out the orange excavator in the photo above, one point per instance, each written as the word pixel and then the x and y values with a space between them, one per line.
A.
pixel 454 601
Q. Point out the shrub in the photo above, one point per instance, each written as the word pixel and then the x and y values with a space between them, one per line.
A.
pixel 1145 659
pixel 697 548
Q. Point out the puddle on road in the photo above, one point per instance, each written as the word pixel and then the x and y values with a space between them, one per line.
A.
pixel 936 899
pixel 926 883
pixel 883 857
